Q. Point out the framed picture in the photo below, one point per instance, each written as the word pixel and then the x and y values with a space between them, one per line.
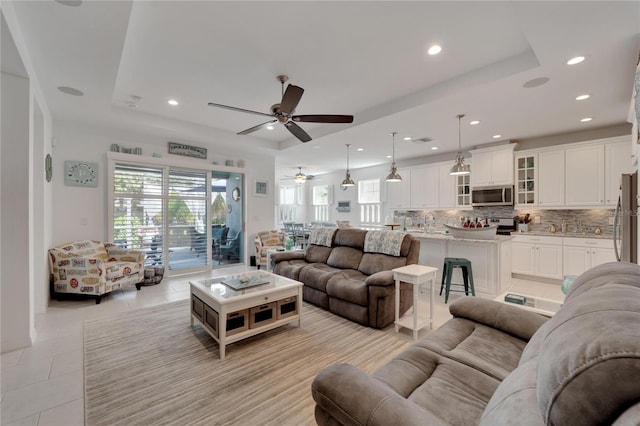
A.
pixel 261 188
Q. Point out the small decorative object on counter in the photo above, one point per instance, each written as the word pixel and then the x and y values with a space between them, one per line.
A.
pixel 553 229
pixel 598 231
pixel 563 226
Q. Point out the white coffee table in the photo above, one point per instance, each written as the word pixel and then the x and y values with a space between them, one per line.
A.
pixel 230 315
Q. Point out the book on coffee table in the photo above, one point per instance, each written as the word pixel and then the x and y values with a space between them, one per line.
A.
pixel 241 283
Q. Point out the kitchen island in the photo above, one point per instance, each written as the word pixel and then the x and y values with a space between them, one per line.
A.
pixel 490 259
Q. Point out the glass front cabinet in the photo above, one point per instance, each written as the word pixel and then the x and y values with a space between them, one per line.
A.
pixel 526 180
pixel 463 191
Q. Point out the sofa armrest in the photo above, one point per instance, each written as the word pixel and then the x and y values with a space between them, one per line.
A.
pixel 120 254
pixel 381 279
pixel 287 255
pixel 512 320
pixel 352 397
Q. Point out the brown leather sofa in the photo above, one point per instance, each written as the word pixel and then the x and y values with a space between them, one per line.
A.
pixel 495 364
pixel 348 281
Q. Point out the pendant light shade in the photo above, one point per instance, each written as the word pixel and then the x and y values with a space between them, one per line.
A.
pixel 394 176
pixel 460 168
pixel 347 179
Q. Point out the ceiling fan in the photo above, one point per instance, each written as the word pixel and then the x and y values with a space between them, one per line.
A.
pixel 283 112
pixel 300 177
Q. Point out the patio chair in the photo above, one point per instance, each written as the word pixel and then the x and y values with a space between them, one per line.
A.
pixel 231 250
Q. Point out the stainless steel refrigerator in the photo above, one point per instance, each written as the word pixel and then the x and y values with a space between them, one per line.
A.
pixel 625 229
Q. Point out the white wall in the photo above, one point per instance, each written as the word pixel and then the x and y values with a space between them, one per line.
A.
pixel 17 289
pixel 81 213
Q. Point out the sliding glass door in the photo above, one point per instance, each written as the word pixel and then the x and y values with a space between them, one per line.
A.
pixel 227 218
pixel 162 211
pixel 185 220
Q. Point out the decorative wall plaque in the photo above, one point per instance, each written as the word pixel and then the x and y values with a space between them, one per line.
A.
pixel 187 150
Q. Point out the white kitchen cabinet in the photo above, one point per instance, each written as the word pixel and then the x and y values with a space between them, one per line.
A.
pixel 580 254
pixel 526 179
pixel 490 264
pixel 399 193
pixel 424 187
pixel 537 255
pixel 447 187
pixel 432 253
pixel 432 187
pixel 551 176
pixel 490 260
pixel 584 176
pixel 463 191
pixel 492 166
pixel 617 157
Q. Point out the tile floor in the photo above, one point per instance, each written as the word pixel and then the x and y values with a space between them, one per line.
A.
pixel 43 384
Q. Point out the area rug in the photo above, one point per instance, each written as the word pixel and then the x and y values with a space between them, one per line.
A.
pixel 150 367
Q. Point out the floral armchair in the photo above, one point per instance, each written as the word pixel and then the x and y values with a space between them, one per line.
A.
pixel 268 240
pixel 94 268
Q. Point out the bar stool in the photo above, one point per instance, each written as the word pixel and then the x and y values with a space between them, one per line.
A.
pixel 467 275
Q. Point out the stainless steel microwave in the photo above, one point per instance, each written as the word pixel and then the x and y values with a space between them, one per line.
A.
pixel 492 196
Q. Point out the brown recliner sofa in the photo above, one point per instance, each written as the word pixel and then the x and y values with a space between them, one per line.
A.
pixel 495 364
pixel 344 279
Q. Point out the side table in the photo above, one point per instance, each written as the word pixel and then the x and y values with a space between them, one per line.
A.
pixel 418 275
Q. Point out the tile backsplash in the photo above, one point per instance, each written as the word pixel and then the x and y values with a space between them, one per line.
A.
pixel 577 220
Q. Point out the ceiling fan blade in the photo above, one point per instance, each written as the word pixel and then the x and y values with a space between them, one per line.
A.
pixel 290 99
pixel 239 109
pixel 323 118
pixel 297 131
pixel 254 128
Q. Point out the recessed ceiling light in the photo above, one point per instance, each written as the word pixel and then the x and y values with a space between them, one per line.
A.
pixel 496 136
pixel 474 122
pixel 584 120
pixel 408 138
pixel 575 60
pixel 535 82
pixel 360 149
pixel 270 127
pixel 172 102
pixel 70 91
pixel 434 50
pixel 582 97
pixel 434 148
pixel 388 156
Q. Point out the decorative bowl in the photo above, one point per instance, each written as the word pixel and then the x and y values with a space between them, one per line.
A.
pixel 487 233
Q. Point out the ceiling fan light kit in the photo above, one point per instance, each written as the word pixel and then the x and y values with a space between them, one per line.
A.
pixel 300 177
pixel 394 176
pixel 347 179
pixel 460 168
pixel 283 113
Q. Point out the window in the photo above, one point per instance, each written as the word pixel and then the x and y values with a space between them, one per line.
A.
pixel 288 196
pixel 162 211
pixel 369 200
pixel 369 191
pixel 320 201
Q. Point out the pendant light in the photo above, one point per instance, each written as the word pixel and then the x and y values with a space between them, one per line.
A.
pixel 394 176
pixel 347 179
pixel 459 168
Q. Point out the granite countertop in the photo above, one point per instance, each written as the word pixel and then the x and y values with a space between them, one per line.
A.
pixel 566 234
pixel 439 235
